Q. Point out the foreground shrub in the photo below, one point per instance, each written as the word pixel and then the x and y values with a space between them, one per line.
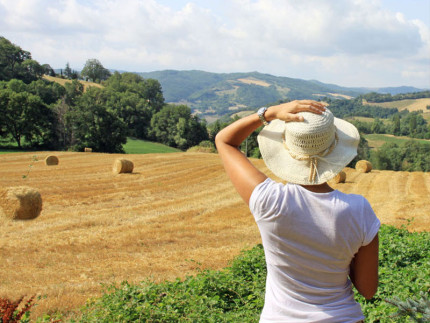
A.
pixel 10 312
pixel 236 294
pixel 404 271
pixel 205 146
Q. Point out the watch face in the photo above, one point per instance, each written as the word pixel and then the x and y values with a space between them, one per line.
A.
pixel 261 115
pixel 261 111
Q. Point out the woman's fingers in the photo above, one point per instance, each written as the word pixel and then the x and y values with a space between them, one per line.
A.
pixel 288 111
pixel 310 106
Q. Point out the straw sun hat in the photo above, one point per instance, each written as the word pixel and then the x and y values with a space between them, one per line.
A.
pixel 309 152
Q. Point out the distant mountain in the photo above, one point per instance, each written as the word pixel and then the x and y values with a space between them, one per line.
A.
pixel 398 90
pixel 218 94
pixel 221 93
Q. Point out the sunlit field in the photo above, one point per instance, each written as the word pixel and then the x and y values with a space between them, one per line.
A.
pixel 175 214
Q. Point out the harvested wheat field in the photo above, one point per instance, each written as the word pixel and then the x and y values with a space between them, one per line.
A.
pixel 175 213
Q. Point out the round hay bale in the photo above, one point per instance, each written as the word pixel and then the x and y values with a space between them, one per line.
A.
pixel 340 178
pixel 363 166
pixel 88 150
pixel 122 165
pixel 20 203
pixel 51 160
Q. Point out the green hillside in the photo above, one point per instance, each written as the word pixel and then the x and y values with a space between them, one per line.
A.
pixel 220 94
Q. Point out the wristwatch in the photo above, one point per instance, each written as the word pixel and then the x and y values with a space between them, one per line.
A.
pixel 260 114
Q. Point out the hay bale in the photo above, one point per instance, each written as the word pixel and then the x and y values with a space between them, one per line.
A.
pixel 88 150
pixel 20 203
pixel 51 160
pixel 122 165
pixel 340 178
pixel 363 166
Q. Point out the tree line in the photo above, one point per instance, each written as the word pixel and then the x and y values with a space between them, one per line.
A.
pixel 378 97
pixel 408 156
pixel 46 115
pixel 43 114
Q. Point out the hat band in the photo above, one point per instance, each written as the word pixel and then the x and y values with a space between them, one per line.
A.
pixel 313 161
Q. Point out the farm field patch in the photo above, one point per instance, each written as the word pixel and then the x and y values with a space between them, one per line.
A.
pixel 409 104
pixel 175 214
pixel 377 140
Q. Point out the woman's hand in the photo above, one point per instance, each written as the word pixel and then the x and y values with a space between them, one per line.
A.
pixel 242 173
pixel 288 111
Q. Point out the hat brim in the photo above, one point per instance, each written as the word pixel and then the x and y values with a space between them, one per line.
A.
pixel 280 162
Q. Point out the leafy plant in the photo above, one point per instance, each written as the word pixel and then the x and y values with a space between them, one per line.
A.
pixel 236 294
pixel 9 312
pixel 33 160
pixel 417 309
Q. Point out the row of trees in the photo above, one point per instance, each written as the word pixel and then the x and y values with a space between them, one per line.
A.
pixel 378 97
pixel 43 114
pixel 402 124
pixel 408 156
pixel 386 120
pixel 48 115
pixel 16 63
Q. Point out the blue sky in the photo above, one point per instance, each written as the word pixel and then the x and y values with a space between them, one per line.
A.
pixel 373 43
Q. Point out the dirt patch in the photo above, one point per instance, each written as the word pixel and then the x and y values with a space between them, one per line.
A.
pixel 254 81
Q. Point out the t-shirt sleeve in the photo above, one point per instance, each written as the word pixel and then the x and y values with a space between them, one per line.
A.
pixel 371 223
pixel 264 200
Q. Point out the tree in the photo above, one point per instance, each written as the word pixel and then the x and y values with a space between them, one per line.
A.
pixel 176 127
pixel 68 71
pixel 49 92
pixel 63 124
pixel 24 115
pixel 74 90
pixel 11 58
pixel 48 70
pixel 131 109
pixel 396 125
pixel 377 126
pixel 94 126
pixel 94 71
pixel 30 70
pixel 135 100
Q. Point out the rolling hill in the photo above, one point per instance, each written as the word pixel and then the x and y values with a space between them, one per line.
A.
pixel 175 214
pixel 409 104
pixel 217 94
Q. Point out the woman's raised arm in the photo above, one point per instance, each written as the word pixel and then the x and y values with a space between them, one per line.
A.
pixel 243 174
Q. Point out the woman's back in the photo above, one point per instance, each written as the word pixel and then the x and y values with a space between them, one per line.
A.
pixel 313 242
pixel 309 241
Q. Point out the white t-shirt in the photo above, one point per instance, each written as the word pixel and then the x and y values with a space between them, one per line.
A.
pixel 309 240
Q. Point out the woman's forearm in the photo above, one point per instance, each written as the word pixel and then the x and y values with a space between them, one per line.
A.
pixel 235 133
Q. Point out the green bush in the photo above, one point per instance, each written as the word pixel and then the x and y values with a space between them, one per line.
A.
pixel 236 294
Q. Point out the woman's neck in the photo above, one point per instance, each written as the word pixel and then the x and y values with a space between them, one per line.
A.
pixel 321 188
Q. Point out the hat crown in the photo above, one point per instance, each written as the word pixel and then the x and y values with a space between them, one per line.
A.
pixel 312 136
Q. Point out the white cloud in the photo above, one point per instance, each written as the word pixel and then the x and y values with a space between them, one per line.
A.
pixel 348 42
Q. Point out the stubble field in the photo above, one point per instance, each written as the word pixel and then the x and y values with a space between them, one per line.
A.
pixel 174 214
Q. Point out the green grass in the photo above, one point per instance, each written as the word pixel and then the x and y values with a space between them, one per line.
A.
pixel 8 151
pixel 236 294
pixel 11 148
pixel 136 146
pixel 133 146
pixel 377 140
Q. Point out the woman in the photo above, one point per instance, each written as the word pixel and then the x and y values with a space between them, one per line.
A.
pixel 314 237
